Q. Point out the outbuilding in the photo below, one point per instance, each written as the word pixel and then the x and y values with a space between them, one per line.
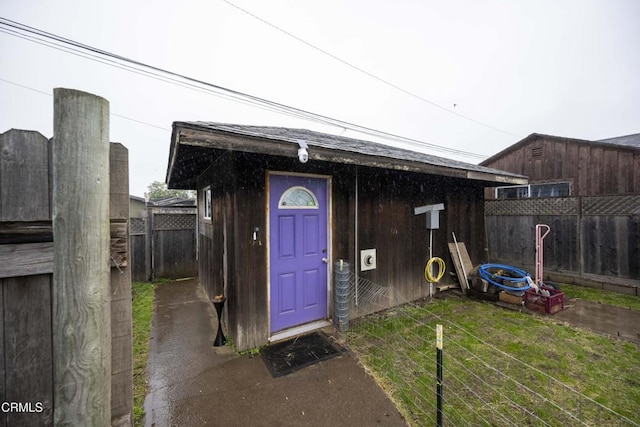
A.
pixel 588 192
pixel 560 167
pixel 278 206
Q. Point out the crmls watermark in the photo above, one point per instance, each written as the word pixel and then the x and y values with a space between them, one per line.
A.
pixel 21 407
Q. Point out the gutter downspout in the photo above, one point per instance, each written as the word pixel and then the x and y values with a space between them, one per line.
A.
pixel 355 257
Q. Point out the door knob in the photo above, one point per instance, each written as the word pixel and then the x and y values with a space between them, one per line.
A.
pixel 325 260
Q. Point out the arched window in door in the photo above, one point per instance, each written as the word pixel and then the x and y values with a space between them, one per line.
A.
pixel 298 197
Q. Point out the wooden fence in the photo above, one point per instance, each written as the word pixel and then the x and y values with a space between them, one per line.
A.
pixel 594 240
pixel 163 244
pixel 32 312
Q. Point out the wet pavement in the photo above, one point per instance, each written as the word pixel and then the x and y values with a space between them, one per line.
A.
pixel 192 383
pixel 602 318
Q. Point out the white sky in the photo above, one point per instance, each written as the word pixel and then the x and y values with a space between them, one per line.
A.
pixel 562 67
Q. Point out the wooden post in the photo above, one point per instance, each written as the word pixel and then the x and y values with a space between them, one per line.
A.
pixel 121 338
pixel 81 302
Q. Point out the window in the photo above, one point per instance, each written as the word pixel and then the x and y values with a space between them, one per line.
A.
pixel 207 203
pixel 549 189
pixel 298 198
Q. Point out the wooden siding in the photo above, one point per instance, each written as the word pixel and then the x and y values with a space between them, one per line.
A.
pixel 592 169
pixel 231 262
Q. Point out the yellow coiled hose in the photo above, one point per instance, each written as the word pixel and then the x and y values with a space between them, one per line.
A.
pixel 441 270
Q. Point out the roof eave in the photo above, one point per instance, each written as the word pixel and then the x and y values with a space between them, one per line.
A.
pixel 173 153
pixel 185 133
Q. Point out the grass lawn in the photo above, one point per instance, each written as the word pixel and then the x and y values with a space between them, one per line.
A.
pixel 501 367
pixel 142 310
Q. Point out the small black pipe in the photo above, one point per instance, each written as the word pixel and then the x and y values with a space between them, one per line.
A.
pixel 439 374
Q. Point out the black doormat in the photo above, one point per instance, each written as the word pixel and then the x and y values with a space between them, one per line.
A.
pixel 289 356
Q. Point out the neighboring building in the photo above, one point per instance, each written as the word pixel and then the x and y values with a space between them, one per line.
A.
pixel 137 207
pixel 558 166
pixel 587 192
pixel 274 216
pixel 173 202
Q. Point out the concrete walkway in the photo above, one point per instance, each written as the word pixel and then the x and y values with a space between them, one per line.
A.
pixel 602 318
pixel 192 383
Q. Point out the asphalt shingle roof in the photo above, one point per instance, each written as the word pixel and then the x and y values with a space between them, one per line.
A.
pixel 335 142
pixel 627 140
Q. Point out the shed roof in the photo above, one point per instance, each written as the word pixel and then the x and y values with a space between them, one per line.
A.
pixel 194 145
pixel 622 142
pixel 627 140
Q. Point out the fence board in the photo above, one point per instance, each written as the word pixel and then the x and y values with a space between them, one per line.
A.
pixel 153 251
pixel 26 259
pixel 28 351
pixel 24 176
pixel 633 246
pixel 3 416
pixel 561 245
pixel 590 235
pixel 174 253
pixel 590 245
pixel 25 232
pixel 607 239
pixel 139 271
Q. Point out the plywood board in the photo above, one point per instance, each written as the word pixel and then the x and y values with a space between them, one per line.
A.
pixel 466 264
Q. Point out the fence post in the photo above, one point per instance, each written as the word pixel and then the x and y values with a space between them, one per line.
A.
pixel 81 310
pixel 120 291
pixel 439 374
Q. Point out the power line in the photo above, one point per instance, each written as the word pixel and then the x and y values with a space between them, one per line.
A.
pixel 152 71
pixel 92 53
pixel 367 73
pixel 111 113
pixel 156 76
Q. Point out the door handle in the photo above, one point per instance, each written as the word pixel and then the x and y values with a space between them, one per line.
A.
pixel 325 260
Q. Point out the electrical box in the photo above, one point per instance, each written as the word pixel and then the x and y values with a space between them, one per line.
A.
pixel 433 220
pixel 368 259
pixel 433 214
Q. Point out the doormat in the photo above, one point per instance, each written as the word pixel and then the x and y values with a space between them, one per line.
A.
pixel 289 356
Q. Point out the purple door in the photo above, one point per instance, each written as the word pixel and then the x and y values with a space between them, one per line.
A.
pixel 298 250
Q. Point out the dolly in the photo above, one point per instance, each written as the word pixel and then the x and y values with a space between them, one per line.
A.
pixel 539 251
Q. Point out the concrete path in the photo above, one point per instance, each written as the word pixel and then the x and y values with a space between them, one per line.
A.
pixel 602 318
pixel 192 383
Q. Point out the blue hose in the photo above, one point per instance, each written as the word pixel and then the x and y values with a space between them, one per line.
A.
pixel 491 278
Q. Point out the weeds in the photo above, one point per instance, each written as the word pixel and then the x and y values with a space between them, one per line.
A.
pixel 142 310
